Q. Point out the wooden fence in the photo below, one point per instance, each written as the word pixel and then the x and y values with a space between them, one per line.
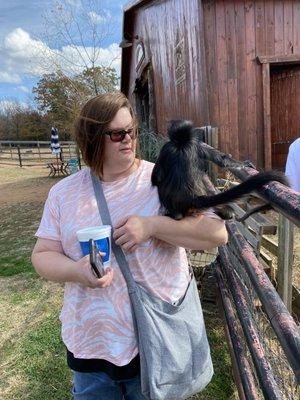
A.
pixel 263 337
pixel 34 153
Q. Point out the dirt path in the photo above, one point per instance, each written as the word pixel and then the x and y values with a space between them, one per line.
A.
pixel 24 185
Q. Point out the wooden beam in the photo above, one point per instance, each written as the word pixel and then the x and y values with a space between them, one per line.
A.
pixel 285 260
pixel 252 240
pixel 135 4
pixel 211 138
pixel 296 302
pixel 270 245
pixel 284 59
pixel 267 115
pixel 268 227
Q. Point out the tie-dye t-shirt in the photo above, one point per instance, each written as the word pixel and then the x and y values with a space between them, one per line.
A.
pixel 97 323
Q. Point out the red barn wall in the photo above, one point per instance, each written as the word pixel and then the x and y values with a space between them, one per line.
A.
pixel 224 84
pixel 235 33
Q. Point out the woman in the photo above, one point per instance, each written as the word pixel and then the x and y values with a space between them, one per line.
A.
pixel 96 316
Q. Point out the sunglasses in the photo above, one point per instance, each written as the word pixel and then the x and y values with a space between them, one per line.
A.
pixel 118 136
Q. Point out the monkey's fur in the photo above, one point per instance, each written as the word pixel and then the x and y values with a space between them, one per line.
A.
pixel 178 174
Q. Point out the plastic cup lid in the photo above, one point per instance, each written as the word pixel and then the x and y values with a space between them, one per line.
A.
pixel 94 232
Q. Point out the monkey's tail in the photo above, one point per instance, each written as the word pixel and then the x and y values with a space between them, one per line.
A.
pixel 254 210
pixel 251 184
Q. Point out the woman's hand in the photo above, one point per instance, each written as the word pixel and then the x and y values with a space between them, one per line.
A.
pixel 132 231
pixel 84 274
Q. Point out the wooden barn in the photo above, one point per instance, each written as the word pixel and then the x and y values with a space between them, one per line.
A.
pixel 230 64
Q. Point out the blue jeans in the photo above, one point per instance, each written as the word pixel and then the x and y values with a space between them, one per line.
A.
pixel 99 386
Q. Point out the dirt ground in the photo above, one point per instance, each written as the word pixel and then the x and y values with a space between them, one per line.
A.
pixel 273 216
pixel 24 185
pixel 32 185
pixel 296 268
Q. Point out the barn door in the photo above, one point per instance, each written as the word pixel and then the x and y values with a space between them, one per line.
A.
pixel 285 111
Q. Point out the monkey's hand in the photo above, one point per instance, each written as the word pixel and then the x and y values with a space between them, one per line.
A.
pixel 132 231
pixel 248 163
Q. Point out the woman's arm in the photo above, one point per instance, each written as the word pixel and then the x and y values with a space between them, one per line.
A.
pixel 51 263
pixel 195 232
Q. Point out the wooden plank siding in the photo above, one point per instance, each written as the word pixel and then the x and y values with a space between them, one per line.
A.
pixel 221 60
pixel 231 50
pixel 211 65
pixel 260 48
pixel 225 85
pixel 159 25
pixel 296 31
pixel 236 32
pixel 285 116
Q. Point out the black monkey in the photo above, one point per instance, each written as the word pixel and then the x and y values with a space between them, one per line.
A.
pixel 178 174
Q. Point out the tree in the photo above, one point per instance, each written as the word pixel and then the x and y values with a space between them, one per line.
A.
pixel 12 118
pixel 76 32
pixel 60 97
pixel 19 122
pixel 52 95
pixel 36 126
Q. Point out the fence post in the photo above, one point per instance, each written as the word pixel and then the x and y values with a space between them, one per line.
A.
pixel 39 150
pixel 211 138
pixel 19 154
pixel 285 260
pixel 214 144
pixel 11 154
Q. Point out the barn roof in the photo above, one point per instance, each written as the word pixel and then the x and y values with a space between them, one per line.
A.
pixel 135 4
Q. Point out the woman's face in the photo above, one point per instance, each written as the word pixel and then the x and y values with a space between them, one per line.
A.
pixel 120 154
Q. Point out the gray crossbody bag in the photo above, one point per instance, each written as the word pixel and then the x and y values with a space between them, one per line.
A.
pixel 174 352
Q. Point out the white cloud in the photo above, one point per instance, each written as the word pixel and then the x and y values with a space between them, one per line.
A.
pixel 22 54
pixel 96 18
pixel 8 77
pixel 24 89
pixel 8 104
pixel 76 3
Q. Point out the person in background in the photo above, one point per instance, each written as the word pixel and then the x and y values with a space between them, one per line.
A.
pixel 97 324
pixel 292 168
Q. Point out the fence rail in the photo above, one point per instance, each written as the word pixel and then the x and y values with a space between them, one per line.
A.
pixel 264 336
pixel 33 153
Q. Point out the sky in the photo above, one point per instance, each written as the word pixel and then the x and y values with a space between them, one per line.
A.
pixel 30 43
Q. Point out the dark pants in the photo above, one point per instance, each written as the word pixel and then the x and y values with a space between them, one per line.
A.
pixel 99 386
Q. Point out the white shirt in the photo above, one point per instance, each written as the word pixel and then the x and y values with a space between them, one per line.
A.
pixel 292 169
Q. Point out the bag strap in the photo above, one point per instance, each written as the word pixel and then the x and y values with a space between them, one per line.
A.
pixel 106 220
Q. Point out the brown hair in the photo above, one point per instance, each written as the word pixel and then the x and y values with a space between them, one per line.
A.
pixel 92 121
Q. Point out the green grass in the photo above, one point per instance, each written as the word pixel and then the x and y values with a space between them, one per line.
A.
pixel 42 361
pixel 18 225
pixel 32 355
pixel 221 387
pixel 36 355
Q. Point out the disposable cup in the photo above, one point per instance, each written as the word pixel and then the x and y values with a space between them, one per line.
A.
pixel 102 238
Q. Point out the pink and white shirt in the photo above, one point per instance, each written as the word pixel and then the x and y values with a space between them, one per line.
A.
pixel 97 323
